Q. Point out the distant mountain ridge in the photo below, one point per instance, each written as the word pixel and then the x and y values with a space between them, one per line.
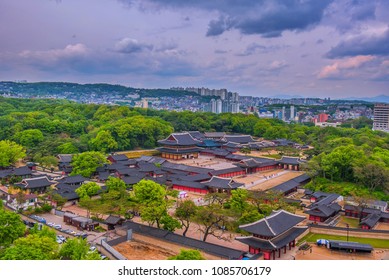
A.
pixel 379 98
pixel 48 88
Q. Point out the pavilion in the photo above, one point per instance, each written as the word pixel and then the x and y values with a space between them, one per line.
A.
pixel 179 146
pixel 273 233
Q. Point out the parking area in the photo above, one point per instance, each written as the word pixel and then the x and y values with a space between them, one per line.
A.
pixel 57 223
pixel 65 232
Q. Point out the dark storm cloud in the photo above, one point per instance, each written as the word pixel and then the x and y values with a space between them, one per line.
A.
pixel 288 15
pixel 362 10
pixel 362 45
pixel 269 18
pixel 219 26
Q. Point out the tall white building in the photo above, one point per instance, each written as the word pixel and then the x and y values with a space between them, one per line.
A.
pixel 213 105
pixel 381 117
pixel 292 113
pixel 219 106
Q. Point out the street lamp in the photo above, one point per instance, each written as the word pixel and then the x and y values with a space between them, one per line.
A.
pixel 347 226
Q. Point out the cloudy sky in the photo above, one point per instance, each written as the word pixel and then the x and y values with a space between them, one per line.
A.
pixel 317 48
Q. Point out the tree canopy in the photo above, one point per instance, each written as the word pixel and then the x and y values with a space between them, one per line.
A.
pixel 11 227
pixel 86 163
pixel 188 255
pixel 10 152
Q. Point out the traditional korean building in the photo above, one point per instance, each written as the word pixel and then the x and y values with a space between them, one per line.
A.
pixel 324 206
pixel 238 139
pixel 189 186
pixel 291 163
pixel 322 212
pixel 64 161
pixel 196 135
pixel 251 165
pixel 370 216
pixel 179 146
pixel 229 172
pixel 114 158
pixel 273 234
pixel 215 184
pixel 218 184
pixel 35 185
pixel 76 180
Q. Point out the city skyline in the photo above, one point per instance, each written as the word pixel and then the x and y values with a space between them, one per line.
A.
pixel 334 49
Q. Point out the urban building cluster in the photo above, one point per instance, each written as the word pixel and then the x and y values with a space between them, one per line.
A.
pixel 223 101
pixel 322 112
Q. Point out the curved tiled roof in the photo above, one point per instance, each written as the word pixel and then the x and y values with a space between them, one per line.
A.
pixel 275 243
pixel 275 224
pixel 179 139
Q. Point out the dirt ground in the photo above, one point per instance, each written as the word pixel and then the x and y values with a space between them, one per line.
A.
pixel 147 248
pixel 259 153
pixel 272 182
pixel 323 253
pixel 206 162
pixel 382 226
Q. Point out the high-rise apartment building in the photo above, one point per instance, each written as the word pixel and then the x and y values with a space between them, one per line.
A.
pixel 292 113
pixel 219 106
pixel 381 117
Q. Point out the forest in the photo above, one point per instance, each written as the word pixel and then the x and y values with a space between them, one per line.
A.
pixel 357 157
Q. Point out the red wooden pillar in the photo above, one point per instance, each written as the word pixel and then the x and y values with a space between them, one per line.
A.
pixel 290 246
pixel 294 243
pixel 279 253
pixel 285 249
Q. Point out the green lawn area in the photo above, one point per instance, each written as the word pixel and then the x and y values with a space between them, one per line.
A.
pixel 352 222
pixel 275 156
pixel 376 243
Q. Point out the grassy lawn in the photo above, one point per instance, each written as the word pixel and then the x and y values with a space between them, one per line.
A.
pixel 352 222
pixel 275 156
pixel 376 243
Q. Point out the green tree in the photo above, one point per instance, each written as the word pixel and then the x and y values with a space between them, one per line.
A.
pixel 77 249
pixel 115 184
pixel 44 232
pixel 32 247
pixel 11 227
pixel 188 255
pixel 245 150
pixel 67 148
pixel 148 192
pixel 29 137
pixel 210 218
pixel 249 216
pixel 48 162
pixel 169 223
pixel 152 198
pixel 374 176
pixel 10 152
pixel 238 200
pixel 87 203
pixel 103 142
pixel 153 213
pixel 340 162
pixel 185 212
pixel 58 199
pixel 86 163
pixel 88 189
